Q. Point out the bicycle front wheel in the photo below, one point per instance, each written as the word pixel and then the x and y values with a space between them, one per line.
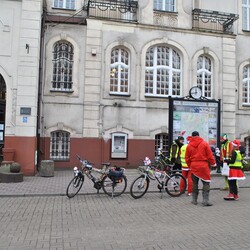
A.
pixel 139 187
pixel 172 185
pixel 74 186
pixel 114 187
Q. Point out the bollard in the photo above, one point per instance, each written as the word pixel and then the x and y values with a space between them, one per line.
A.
pixel 47 168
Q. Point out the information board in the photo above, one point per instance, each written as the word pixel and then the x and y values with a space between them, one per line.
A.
pixel 188 115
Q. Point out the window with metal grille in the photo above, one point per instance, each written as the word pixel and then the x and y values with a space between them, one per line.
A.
pixel 64 4
pixel 119 71
pixel 59 145
pixel 246 85
pixel 164 5
pixel 161 141
pixel 204 75
pixel 246 15
pixel 62 66
pixel 162 72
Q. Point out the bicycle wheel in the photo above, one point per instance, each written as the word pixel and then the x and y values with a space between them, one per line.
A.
pixel 74 186
pixel 139 187
pixel 116 187
pixel 172 185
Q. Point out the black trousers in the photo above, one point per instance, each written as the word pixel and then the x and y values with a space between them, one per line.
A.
pixel 206 185
pixel 233 187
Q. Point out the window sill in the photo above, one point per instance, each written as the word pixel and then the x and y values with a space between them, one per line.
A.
pixel 59 8
pixel 61 91
pixel 59 160
pixel 119 94
pixel 246 105
pixel 160 96
pixel 167 12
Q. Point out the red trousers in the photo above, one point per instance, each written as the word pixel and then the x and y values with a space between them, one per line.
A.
pixel 187 176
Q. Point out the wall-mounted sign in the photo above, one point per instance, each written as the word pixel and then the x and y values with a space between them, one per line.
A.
pixel 25 111
pixel 25 119
pixel 119 145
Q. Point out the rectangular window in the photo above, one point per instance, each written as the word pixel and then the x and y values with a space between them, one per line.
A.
pixel 59 145
pixel 119 145
pixel 164 5
pixel 246 15
pixel 64 4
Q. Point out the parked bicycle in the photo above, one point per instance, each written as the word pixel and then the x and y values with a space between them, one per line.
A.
pixel 111 180
pixel 166 179
pixel 163 163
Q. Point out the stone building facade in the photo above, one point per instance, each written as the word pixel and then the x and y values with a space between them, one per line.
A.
pixel 20 26
pixel 109 68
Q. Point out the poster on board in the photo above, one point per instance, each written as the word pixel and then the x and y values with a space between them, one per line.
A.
pixel 188 115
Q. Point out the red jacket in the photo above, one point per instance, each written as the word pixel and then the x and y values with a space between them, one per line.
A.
pixel 198 157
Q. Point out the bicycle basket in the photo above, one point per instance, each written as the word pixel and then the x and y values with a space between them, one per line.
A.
pixel 115 174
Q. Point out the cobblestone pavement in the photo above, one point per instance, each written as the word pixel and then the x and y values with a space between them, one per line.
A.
pixel 36 214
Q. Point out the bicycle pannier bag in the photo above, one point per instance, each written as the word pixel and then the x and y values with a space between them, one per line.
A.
pixel 115 174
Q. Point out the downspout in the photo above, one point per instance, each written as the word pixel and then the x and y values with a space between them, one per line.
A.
pixel 40 80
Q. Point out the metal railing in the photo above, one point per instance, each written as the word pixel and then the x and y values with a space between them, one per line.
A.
pixel 114 10
pixel 213 21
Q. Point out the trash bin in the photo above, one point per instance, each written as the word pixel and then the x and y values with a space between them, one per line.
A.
pixel 47 168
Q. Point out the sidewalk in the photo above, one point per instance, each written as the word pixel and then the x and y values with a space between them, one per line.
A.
pixel 56 186
pixel 37 215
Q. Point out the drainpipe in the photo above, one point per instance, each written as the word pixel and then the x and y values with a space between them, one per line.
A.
pixel 40 80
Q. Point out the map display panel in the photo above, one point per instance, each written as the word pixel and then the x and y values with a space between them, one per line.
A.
pixel 189 116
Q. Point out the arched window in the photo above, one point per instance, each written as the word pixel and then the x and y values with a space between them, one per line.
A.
pixel 164 5
pixel 63 54
pixel 59 145
pixel 246 85
pixel 162 72
pixel 119 71
pixel 204 75
pixel 161 141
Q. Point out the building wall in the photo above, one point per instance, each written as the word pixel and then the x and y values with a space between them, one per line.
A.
pixel 19 65
pixel 90 114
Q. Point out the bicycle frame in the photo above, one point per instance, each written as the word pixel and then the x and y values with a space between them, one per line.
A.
pixel 162 177
pixel 111 180
pixel 87 169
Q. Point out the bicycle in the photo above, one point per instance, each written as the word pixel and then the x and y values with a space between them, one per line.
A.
pixel 166 180
pixel 111 180
pixel 162 162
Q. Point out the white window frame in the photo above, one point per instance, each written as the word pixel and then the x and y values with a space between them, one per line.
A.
pixel 58 72
pixel 165 5
pixel 119 145
pixel 59 145
pixel 161 141
pixel 246 15
pixel 65 4
pixel 116 72
pixel 246 84
pixel 151 74
pixel 204 72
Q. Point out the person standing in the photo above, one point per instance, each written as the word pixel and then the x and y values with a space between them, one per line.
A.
pixel 225 153
pixel 186 170
pixel 175 152
pixel 218 160
pixel 199 158
pixel 235 171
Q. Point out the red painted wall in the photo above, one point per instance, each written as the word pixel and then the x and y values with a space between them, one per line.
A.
pixel 25 150
pixel 97 151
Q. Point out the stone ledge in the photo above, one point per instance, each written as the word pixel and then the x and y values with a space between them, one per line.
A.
pixel 11 177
